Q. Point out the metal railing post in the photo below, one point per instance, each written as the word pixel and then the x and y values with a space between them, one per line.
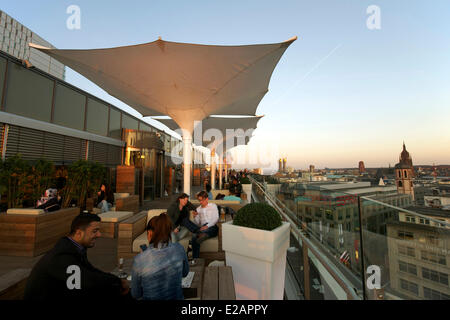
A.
pixel 307 291
pixel 363 268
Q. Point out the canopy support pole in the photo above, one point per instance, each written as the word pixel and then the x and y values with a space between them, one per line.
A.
pixel 213 169
pixel 187 161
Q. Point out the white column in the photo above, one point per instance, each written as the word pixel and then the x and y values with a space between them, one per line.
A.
pixel 187 160
pixel 213 169
pixel 220 174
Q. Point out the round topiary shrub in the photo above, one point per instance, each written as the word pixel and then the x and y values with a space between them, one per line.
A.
pixel 245 180
pixel 257 216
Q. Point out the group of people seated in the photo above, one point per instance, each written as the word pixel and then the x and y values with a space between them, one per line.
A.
pixel 65 272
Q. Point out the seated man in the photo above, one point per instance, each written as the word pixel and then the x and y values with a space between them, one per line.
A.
pixel 65 272
pixel 178 213
pixel 235 188
pixel 207 216
pixel 208 191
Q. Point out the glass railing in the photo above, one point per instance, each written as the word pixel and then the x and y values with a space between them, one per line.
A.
pixel 400 252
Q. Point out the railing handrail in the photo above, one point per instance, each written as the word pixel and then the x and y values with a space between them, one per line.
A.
pixel 329 266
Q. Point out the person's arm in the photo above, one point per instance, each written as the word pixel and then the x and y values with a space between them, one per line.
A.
pixel 212 216
pixel 185 271
pixel 136 282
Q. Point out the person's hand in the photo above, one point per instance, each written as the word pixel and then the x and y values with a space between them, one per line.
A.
pixel 176 230
pixel 99 192
pixel 195 213
pixel 203 228
pixel 125 287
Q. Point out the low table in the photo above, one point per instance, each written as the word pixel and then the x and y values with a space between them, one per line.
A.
pixel 110 220
pixel 218 284
pixel 194 292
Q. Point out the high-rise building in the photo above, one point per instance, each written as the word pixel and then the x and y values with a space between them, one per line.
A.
pixel 362 168
pixel 280 165
pixel 284 164
pixel 14 40
pixel 311 168
pixel 404 173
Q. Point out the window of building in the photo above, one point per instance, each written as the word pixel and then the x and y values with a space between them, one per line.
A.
pixel 410 219
pixel 406 251
pixel 434 295
pixel 399 174
pixel 69 108
pixel 409 286
pixel 433 257
pixel 406 235
pixel 28 94
pixel 400 184
pixel 114 124
pixel 435 276
pixel 129 122
pixel 407 267
pixel 405 173
pixel 3 62
pixel 97 117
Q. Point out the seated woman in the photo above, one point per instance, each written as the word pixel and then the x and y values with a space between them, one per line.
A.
pixel 208 191
pixel 105 198
pixel 178 213
pixel 157 271
pixel 50 201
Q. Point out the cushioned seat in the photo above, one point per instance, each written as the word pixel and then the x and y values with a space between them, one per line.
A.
pixel 115 216
pixel 29 211
pixel 142 239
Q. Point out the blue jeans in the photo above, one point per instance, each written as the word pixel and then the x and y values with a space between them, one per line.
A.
pixel 105 206
pixel 210 233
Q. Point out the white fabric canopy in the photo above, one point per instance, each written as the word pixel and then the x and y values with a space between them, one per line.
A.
pixel 187 82
pixel 184 81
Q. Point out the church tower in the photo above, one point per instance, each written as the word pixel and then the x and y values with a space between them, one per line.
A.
pixel 404 173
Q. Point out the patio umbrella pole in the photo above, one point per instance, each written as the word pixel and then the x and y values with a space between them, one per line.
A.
pixel 213 169
pixel 220 174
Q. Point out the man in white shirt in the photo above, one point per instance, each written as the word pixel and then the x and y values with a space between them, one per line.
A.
pixel 206 216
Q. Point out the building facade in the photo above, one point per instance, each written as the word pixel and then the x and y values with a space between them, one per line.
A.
pixel 404 173
pixel 14 40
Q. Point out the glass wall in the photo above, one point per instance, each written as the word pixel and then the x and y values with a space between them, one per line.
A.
pixel 69 108
pixel 129 123
pixel 2 75
pixel 97 117
pixel 28 94
pixel 114 123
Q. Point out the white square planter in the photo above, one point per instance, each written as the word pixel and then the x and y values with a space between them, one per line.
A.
pixel 247 188
pixel 258 260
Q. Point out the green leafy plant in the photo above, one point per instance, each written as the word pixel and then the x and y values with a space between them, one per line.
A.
pixel 41 177
pixel 245 180
pixel 14 177
pixel 83 178
pixel 258 216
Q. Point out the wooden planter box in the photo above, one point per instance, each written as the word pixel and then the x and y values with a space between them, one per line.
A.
pixel 130 203
pixel 33 235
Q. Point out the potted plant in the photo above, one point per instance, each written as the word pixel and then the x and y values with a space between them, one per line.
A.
pixel 255 245
pixel 246 186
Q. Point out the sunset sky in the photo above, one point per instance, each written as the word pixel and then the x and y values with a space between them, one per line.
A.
pixel 340 94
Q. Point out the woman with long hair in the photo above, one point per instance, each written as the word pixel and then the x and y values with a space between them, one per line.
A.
pixel 157 271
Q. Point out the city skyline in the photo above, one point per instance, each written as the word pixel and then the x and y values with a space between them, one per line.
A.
pixel 342 93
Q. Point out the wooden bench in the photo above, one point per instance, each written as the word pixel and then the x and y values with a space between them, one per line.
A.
pixel 32 235
pixel 128 230
pixel 12 284
pixel 110 222
pixel 218 284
